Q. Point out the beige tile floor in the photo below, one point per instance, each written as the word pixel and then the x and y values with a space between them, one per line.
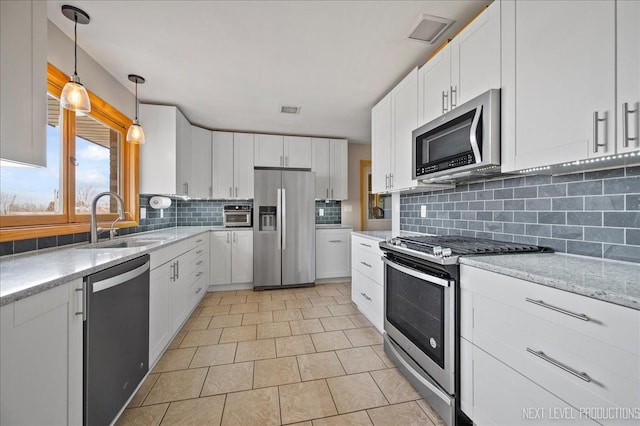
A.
pixel 293 356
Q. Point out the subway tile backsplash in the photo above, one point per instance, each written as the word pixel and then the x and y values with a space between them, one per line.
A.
pixel 593 213
pixel 332 212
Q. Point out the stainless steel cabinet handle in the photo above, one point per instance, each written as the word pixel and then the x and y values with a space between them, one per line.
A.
pixel 281 161
pixel 199 241
pixel 235 237
pixel 390 180
pixel 366 264
pixel 327 192
pixel 83 301
pixel 366 245
pixel 199 251
pixel 185 188
pixel 579 374
pixel 332 193
pixel 453 103
pixel 173 271
pixel 582 317
pixel 386 181
pixel 335 241
pixel 236 192
pixel 199 274
pixel 177 269
pixel 199 290
pixel 286 160
pixel 365 296
pixel 625 124
pixel 230 192
pixel 199 263
pixel 445 99
pixel 228 236
pixel 596 121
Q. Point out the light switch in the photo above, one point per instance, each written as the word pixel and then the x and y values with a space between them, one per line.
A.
pixel 143 212
pixel 423 211
pixel 321 212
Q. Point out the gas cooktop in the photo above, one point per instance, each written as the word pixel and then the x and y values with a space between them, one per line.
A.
pixel 446 250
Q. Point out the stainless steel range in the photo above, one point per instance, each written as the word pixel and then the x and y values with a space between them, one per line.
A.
pixel 422 312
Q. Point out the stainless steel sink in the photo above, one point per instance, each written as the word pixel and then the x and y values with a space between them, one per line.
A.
pixel 120 244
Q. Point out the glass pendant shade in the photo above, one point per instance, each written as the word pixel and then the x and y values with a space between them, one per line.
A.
pixel 135 134
pixel 74 96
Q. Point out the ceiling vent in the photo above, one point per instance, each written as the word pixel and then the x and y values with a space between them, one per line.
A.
pixel 290 109
pixel 429 28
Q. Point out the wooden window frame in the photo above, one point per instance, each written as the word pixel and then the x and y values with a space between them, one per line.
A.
pixel 22 227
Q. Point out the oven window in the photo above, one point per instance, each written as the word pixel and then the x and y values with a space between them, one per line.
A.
pixel 416 308
pixel 449 140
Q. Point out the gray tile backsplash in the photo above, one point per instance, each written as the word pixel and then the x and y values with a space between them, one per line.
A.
pixel 592 213
pixel 332 212
pixel 204 212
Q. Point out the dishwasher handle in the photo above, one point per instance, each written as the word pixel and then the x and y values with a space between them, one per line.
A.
pixel 120 279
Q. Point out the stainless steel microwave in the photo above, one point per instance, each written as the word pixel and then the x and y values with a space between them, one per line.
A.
pixel 463 141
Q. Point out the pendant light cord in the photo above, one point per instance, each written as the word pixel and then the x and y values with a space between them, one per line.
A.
pixel 136 100
pixel 75 45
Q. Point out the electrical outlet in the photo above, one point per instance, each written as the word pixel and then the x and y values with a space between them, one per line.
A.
pixel 423 211
pixel 321 212
pixel 161 213
pixel 143 212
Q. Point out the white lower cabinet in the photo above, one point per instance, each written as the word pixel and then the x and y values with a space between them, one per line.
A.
pixel 41 358
pixel 333 253
pixel 367 279
pixel 231 257
pixel 545 343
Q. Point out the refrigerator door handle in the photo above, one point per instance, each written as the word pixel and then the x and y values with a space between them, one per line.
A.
pixel 279 217
pixel 284 219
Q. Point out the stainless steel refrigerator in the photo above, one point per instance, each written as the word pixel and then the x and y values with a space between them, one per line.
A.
pixel 284 230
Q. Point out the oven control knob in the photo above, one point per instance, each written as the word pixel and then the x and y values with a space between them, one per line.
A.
pixel 437 251
pixel 446 252
pixel 433 343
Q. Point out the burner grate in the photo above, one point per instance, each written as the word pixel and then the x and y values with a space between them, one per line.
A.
pixel 467 245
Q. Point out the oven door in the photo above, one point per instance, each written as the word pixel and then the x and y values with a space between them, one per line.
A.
pixel 233 219
pixel 419 317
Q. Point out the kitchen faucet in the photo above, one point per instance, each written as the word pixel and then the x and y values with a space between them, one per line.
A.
pixel 94 220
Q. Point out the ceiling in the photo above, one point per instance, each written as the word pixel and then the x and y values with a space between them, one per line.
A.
pixel 231 65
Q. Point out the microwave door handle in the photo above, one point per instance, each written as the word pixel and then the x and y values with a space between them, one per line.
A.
pixel 472 137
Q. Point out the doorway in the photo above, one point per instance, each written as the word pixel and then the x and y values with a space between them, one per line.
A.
pixel 375 214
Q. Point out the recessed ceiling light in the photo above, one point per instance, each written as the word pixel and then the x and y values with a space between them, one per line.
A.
pixel 290 109
pixel 429 28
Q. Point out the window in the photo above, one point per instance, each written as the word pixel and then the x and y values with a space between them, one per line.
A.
pixel 86 155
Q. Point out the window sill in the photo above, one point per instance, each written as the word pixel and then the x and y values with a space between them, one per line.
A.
pixel 25 232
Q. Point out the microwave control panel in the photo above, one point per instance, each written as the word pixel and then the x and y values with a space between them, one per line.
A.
pixel 452 163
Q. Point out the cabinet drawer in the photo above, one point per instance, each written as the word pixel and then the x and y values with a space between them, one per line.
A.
pixel 534 346
pixel 366 244
pixel 369 263
pixel 198 240
pixel 197 290
pixel 501 396
pixel 608 323
pixel 369 298
pixel 164 255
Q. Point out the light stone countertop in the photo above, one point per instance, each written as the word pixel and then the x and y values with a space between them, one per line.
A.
pixel 610 281
pixel 332 226
pixel 383 235
pixel 26 274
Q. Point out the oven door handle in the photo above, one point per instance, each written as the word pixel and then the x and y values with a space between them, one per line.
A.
pixel 416 274
pixel 474 131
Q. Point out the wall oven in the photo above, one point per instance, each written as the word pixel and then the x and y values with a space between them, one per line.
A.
pixel 236 215
pixel 462 141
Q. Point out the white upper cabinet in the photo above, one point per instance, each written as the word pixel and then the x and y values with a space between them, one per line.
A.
pixel 243 165
pixel 330 163
pixel 282 151
pixel 166 156
pixel 465 68
pixel 381 137
pixel 268 150
pixel 222 163
pixel 559 78
pixel 628 75
pixel 297 152
pixel 200 169
pixel 393 120
pixel 23 86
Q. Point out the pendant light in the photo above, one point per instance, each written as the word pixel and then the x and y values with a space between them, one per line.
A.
pixel 74 96
pixel 135 134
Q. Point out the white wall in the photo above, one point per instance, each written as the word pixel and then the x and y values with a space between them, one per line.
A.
pixel 95 78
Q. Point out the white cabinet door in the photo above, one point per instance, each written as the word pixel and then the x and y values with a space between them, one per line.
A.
pixel 297 152
pixel 321 164
pixel 404 107
pixel 220 258
pixel 41 358
pixel 183 154
pixel 222 160
pixel 381 142
pixel 243 165
pixel 159 325
pixel 23 86
pixel 242 257
pixel 434 84
pixel 475 57
pixel 339 169
pixel 268 151
pixel 565 75
pixel 333 253
pixel 200 168
pixel 178 294
pixel 628 74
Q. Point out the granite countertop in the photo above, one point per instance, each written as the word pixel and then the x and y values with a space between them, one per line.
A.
pixel 19 278
pixel 383 235
pixel 333 226
pixel 610 281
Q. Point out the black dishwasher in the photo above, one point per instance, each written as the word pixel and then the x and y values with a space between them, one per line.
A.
pixel 116 338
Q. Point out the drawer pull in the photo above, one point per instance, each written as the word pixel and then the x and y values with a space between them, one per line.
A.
pixel 335 241
pixel 365 296
pixel 199 290
pixel 582 317
pixel 199 251
pixel 199 273
pixel 581 375
pixel 199 241
pixel 366 264
pixel 366 245
pixel 199 263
